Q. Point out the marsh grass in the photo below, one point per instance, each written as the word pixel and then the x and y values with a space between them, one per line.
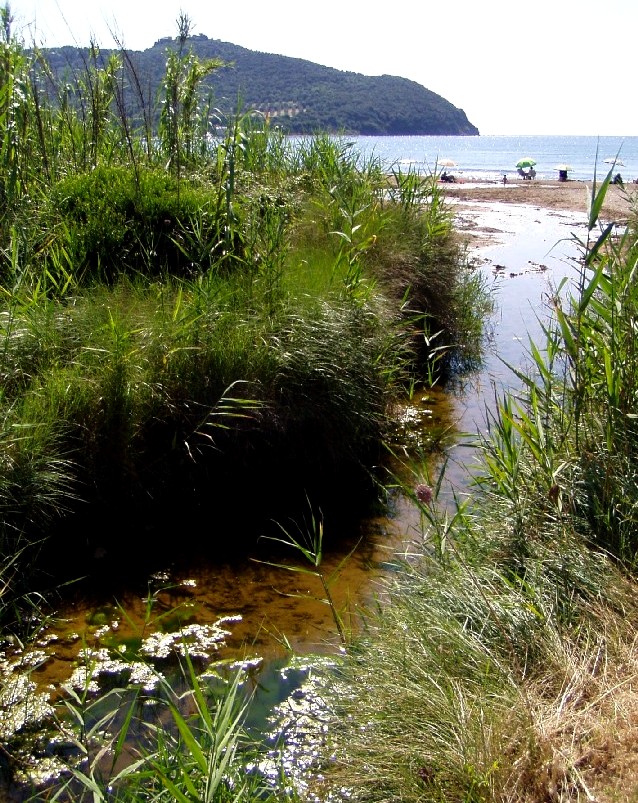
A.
pixel 421 260
pixel 190 320
pixel 500 668
pixel 191 744
pixel 132 382
pixel 482 678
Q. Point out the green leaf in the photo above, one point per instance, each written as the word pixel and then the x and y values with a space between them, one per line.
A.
pixel 597 200
pixel 566 328
pixel 178 795
pixel 123 733
pixel 593 251
pixel 189 739
pixel 589 291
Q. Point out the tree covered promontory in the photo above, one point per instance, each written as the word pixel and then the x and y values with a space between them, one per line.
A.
pixel 298 95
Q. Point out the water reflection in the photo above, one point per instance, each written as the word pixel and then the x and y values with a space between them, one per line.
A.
pixel 277 612
pixel 527 255
pixel 281 611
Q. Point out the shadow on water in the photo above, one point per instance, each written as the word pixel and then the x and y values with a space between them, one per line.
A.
pixel 274 613
pixel 277 610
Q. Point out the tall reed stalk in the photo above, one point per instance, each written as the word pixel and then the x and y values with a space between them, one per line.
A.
pixel 496 669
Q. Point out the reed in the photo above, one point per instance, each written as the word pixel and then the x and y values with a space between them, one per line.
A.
pixel 306 540
pixel 179 311
pixel 420 259
pixel 496 670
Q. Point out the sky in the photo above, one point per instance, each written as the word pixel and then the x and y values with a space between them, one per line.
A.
pixel 547 67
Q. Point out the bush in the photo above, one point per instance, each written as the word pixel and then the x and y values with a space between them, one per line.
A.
pixel 118 221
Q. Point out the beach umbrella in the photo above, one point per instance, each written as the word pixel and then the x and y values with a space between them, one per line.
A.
pixel 610 161
pixel 564 168
pixel 446 163
pixel 526 162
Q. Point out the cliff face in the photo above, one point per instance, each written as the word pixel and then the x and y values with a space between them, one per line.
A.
pixel 300 96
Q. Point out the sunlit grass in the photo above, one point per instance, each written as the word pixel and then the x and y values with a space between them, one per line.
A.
pixel 500 669
pixel 190 326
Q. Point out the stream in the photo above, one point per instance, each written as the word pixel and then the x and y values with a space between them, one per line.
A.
pixel 256 611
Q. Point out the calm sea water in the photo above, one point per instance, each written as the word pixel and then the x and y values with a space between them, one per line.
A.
pixel 488 158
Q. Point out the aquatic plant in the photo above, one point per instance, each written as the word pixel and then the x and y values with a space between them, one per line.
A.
pixel 497 668
pixel 192 745
pixel 181 308
pixel 306 539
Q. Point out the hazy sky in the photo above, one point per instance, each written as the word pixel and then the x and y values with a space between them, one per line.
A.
pixel 547 67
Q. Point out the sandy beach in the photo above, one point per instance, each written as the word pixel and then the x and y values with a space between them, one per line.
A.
pixel 570 196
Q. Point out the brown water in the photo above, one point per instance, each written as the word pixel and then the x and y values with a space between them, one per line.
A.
pixel 281 611
pixel 252 608
pixel 276 609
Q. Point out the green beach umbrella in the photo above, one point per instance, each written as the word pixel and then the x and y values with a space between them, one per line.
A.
pixel 526 162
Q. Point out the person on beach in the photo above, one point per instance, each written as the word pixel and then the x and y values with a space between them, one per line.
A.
pixel 504 178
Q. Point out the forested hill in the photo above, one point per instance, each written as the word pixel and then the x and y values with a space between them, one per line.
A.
pixel 298 95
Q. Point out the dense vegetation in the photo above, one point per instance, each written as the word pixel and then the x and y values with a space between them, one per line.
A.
pixel 248 310
pixel 503 667
pixel 192 321
pixel 297 95
pixel 188 319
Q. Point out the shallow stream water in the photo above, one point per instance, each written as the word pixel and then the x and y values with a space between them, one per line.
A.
pixel 526 252
pixel 252 609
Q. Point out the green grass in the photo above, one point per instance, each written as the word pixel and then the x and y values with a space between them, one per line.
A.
pixel 185 321
pixel 450 694
pixel 129 362
pixel 500 667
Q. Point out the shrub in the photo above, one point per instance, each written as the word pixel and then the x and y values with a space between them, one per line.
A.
pixel 118 221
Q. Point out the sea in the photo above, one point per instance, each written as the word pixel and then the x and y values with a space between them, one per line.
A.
pixel 488 158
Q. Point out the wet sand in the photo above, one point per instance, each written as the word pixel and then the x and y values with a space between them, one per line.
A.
pixel 573 196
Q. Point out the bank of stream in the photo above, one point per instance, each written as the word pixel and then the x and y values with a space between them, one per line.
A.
pixel 256 611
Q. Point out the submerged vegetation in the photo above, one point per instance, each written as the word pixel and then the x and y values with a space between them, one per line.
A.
pixel 197 315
